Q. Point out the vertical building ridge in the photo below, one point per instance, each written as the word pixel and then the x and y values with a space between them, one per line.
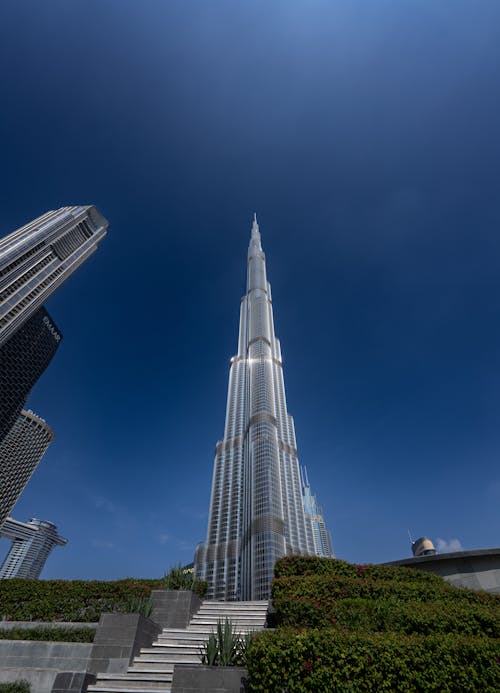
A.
pixel 256 509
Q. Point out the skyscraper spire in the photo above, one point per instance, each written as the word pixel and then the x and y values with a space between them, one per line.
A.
pixel 256 508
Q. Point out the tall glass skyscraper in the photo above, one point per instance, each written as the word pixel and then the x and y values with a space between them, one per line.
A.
pixel 256 508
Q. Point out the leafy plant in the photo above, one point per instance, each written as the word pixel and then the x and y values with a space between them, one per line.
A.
pixel 225 647
pixel 138 605
pixel 68 600
pixel 178 578
pixel 348 628
pixel 15 687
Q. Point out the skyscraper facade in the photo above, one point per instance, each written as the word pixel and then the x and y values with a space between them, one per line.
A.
pixel 40 256
pixel 32 543
pixel 256 507
pixel 314 516
pixel 20 452
pixel 23 359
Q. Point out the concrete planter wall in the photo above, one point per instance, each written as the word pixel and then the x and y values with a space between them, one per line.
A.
pixel 174 608
pixel 118 639
pixel 40 662
pixel 190 678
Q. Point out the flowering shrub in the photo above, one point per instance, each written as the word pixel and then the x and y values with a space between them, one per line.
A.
pixel 344 627
pixel 331 661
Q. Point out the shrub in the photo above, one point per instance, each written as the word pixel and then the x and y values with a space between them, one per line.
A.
pixel 179 579
pixel 312 600
pixel 330 661
pixel 49 634
pixel 16 687
pixel 68 600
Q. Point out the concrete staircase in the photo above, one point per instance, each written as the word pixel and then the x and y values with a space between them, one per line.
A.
pixel 152 670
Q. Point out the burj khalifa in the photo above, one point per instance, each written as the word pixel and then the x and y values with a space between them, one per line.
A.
pixel 257 510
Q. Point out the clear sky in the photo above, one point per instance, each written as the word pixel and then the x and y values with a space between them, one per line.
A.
pixel 366 137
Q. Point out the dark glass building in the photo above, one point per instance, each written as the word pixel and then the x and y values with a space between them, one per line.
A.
pixel 23 359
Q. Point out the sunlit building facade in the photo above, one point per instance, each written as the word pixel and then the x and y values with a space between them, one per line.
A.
pixel 256 509
pixel 34 261
pixel 37 258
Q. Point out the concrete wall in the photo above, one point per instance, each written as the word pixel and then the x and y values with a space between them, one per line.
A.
pixel 193 679
pixel 174 608
pixel 118 640
pixel 40 662
pixel 477 570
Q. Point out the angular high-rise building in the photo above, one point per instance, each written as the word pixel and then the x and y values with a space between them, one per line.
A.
pixel 34 261
pixel 314 515
pixel 256 508
pixel 40 256
pixel 32 543
pixel 20 452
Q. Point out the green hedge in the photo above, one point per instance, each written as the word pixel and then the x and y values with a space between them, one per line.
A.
pixel 330 660
pixel 49 634
pixel 316 601
pixel 16 687
pixel 68 600
pixel 349 628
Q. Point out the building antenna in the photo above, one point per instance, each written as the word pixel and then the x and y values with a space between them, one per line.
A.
pixel 409 537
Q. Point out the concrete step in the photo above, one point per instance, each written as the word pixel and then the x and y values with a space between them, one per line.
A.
pixel 136 676
pixel 168 657
pixel 105 688
pixel 175 649
pixel 120 682
pixel 207 629
pixel 188 639
pixel 148 667
pixel 165 674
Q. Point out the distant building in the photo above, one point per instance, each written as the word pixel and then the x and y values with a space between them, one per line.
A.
pixel 34 261
pixel 314 516
pixel 32 543
pixel 23 359
pixel 423 547
pixel 20 452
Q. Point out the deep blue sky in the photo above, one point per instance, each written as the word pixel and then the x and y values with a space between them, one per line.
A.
pixel 366 137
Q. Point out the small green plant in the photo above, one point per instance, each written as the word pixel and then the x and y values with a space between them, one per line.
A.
pixel 178 578
pixel 225 647
pixel 15 687
pixel 138 605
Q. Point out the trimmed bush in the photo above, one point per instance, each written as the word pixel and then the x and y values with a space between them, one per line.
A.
pixel 69 600
pixel 49 634
pixel 312 600
pixel 16 687
pixel 353 628
pixel 330 661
